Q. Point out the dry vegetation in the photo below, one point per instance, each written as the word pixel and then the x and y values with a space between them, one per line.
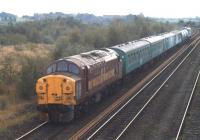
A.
pixel 14 110
pixel 15 114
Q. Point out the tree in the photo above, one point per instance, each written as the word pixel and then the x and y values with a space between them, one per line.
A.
pixel 61 44
pixel 31 69
pixel 9 69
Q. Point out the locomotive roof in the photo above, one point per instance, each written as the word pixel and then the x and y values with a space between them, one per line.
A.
pixel 129 46
pixel 92 57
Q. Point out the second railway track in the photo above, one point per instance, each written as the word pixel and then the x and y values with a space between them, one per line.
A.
pixel 163 116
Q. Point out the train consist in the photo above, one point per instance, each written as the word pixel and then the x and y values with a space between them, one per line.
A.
pixel 71 83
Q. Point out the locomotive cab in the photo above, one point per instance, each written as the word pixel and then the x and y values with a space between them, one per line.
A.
pixel 59 91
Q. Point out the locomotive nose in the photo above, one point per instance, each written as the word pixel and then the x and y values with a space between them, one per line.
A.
pixel 55 89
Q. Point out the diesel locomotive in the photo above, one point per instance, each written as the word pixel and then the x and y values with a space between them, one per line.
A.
pixel 71 83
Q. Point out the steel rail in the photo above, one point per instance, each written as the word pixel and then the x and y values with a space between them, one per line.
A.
pixel 31 131
pixel 189 102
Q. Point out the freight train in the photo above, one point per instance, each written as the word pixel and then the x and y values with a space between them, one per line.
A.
pixel 71 83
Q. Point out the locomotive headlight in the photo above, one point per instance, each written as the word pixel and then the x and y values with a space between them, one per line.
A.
pixel 41 87
pixel 67 88
pixel 44 80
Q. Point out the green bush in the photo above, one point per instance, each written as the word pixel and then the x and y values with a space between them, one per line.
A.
pixel 32 69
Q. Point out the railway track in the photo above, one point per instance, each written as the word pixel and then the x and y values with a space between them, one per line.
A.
pixel 164 116
pixel 86 132
pixel 49 131
pixel 191 122
pixel 157 91
pixel 32 131
pixel 187 107
pixel 45 130
pixel 118 125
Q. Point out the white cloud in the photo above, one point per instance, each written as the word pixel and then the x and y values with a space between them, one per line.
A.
pixel 158 8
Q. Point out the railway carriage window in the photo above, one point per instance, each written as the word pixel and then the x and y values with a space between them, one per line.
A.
pixel 73 69
pixel 131 58
pixel 137 56
pixel 51 69
pixel 62 66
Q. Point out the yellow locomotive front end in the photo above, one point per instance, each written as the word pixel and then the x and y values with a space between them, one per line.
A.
pixel 56 90
pixel 56 96
pixel 59 91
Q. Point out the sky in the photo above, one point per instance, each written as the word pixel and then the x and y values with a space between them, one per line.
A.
pixel 150 8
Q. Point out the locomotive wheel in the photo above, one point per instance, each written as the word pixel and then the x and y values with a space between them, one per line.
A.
pixel 66 117
pixel 77 111
pixel 53 117
pixel 61 117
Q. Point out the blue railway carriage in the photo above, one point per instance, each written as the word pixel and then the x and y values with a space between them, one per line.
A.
pixel 157 46
pixel 169 40
pixel 133 54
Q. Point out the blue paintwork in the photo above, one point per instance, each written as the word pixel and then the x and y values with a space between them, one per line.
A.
pixel 134 54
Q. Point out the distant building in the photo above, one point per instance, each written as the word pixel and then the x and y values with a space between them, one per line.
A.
pixel 6 17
